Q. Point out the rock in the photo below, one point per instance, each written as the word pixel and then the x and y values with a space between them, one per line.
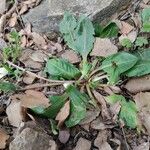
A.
pixel 46 17
pixel 30 139
pixel 2 6
pixel 2 44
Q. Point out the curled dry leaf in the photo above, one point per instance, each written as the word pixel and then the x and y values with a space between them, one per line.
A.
pixel 23 41
pixel 63 114
pixel 126 28
pixel 13 20
pixel 3 138
pixel 71 56
pixel 136 85
pixel 23 9
pixel 143 103
pixel 102 102
pixel 16 114
pixel 38 39
pixel 83 144
pixel 103 47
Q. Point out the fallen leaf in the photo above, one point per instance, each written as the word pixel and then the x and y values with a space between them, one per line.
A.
pixel 3 138
pixel 143 146
pixel 71 56
pixel 98 124
pixel 58 47
pixel 39 56
pixel 63 114
pixel 90 116
pixel 140 84
pixel 38 39
pixel 23 41
pixel 102 102
pixel 16 114
pixel 28 79
pixel 126 28
pixel 101 141
pixel 132 35
pixel 13 20
pixel 64 136
pixel 28 28
pixel 33 98
pixel 2 6
pixel 143 104
pixel 83 144
pixel 23 9
pixel 103 47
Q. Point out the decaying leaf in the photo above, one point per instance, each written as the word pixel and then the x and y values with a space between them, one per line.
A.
pixel 140 84
pixel 28 79
pixel 101 141
pixel 63 114
pixel 71 56
pixel 23 9
pixel 16 114
pixel 3 138
pixel 90 116
pixel 143 146
pixel 83 144
pixel 103 47
pixel 33 98
pixel 143 103
pixel 126 28
pixel 13 20
pixel 38 39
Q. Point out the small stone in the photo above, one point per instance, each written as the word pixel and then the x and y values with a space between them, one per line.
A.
pixel 31 139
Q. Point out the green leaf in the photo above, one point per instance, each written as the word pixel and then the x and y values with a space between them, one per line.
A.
pixel 84 37
pixel 57 102
pixel 79 35
pixel 141 41
pixel 142 67
pixel 117 64
pixel 128 112
pixel 62 68
pixel 109 31
pixel 126 43
pixel 146 20
pixel 78 106
pixel 7 87
pixel 67 28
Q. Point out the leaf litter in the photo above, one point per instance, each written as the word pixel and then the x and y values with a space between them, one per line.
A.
pixel 77 106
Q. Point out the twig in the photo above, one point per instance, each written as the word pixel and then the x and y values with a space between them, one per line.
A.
pixel 39 86
pixel 37 76
pixel 7 15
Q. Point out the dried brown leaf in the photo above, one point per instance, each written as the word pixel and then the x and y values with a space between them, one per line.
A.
pixel 23 41
pixel 39 56
pixel 28 79
pixel 23 9
pixel 83 144
pixel 136 85
pixel 103 47
pixel 63 114
pixel 126 28
pixel 38 39
pixel 71 56
pixel 3 138
pixel 13 20
pixel 143 103
pixel 16 114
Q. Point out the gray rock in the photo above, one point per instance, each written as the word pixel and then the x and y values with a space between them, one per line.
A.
pixel 30 139
pixel 46 17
